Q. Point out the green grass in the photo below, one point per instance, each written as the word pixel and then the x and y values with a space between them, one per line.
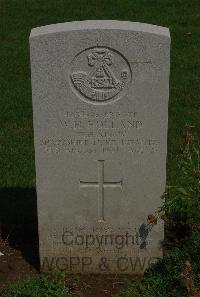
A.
pixel 17 173
pixel 17 17
pixel 38 286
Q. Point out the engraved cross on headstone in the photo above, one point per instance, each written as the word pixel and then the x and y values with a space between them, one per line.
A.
pixel 101 184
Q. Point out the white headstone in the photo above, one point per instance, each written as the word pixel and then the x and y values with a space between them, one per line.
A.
pixel 100 103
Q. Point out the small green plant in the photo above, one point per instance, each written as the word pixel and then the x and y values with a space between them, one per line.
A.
pixel 178 273
pixel 38 286
pixel 168 277
pixel 182 203
pixel 76 277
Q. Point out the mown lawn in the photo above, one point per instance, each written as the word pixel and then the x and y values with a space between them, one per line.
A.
pixel 17 18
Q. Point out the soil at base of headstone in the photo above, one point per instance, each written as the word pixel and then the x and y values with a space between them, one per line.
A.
pixel 97 285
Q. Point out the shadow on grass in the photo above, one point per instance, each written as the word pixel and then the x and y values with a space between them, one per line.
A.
pixel 18 222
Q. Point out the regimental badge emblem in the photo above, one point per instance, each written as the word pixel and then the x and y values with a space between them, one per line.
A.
pixel 100 74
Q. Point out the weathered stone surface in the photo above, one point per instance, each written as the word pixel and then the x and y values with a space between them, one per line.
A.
pixel 100 99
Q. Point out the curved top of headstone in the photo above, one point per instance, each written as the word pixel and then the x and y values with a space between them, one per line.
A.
pixel 98 25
